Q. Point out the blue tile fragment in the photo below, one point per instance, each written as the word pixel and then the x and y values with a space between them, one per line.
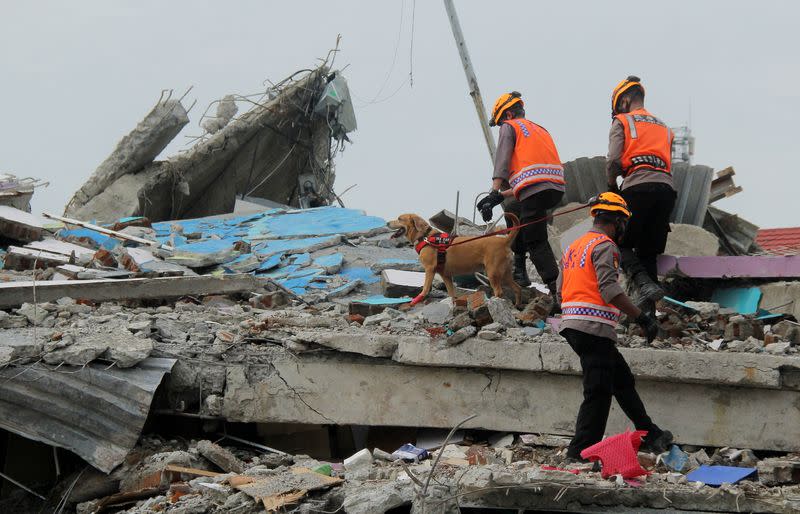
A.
pixel 270 262
pixel 379 299
pixel 718 475
pixel 301 258
pixel 743 300
pixel 365 274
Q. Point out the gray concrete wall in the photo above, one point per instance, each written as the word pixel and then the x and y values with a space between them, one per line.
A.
pixel 350 389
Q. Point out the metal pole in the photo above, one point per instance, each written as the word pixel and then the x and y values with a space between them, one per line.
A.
pixel 455 221
pixel 472 80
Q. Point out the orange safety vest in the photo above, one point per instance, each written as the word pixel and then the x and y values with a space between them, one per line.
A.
pixel 580 293
pixel 535 158
pixel 648 143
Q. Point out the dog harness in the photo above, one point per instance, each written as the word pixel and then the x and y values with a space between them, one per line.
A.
pixel 441 242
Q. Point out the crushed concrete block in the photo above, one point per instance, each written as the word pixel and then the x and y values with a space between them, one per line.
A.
pixel 370 497
pixel 220 456
pixel 35 314
pixel 127 350
pixel 779 470
pixel 23 259
pixel 150 469
pixel 704 309
pixel 781 298
pixel 6 355
pixel 690 241
pixel 87 349
pixel 460 321
pixel 459 336
pixel 787 330
pixel 489 335
pixel 385 315
pixel 502 311
pixel 778 348
pixel 437 312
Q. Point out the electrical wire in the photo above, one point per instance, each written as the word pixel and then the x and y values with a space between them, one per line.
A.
pixel 411 48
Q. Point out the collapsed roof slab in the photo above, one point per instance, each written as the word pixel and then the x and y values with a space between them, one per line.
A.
pixel 339 388
pixel 133 152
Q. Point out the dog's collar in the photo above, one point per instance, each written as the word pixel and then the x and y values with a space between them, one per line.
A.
pixel 422 237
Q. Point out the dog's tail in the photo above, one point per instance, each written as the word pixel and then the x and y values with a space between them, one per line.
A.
pixel 514 233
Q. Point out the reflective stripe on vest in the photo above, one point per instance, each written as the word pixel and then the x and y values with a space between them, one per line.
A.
pixel 648 143
pixel 580 292
pixel 535 159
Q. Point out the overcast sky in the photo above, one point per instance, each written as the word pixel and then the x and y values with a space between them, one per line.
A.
pixel 78 75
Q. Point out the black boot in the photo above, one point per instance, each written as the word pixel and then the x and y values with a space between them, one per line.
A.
pixel 553 287
pixel 657 441
pixel 649 291
pixel 520 270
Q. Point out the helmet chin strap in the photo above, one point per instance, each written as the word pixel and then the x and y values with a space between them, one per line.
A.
pixel 620 224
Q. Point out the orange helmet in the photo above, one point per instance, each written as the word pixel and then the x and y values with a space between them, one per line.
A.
pixel 504 102
pixel 609 202
pixel 626 85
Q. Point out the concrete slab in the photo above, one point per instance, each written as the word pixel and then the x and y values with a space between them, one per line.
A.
pixel 20 225
pixel 13 294
pixel 359 390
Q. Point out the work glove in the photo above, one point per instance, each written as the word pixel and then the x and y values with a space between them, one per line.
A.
pixel 488 203
pixel 649 326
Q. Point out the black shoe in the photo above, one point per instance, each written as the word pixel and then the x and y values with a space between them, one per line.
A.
pixel 521 271
pixel 580 460
pixel 656 441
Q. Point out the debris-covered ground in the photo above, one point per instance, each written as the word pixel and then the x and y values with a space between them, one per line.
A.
pixel 139 351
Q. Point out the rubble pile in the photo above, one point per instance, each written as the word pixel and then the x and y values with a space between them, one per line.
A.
pixel 501 470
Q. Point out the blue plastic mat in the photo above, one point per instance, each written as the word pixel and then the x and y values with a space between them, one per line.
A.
pixel 718 475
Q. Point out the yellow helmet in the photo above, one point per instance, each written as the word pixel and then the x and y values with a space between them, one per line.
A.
pixel 629 83
pixel 609 202
pixel 502 104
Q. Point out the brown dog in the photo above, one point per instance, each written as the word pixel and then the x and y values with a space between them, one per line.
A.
pixel 493 254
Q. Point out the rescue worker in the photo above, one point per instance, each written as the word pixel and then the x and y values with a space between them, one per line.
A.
pixel 592 299
pixel 527 167
pixel 640 151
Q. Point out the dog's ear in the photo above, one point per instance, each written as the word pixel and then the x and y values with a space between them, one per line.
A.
pixel 420 224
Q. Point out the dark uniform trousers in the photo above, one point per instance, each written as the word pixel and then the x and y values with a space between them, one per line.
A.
pixel 533 238
pixel 646 234
pixel 605 374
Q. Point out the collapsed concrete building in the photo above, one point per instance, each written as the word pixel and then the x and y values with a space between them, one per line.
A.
pixel 183 355
pixel 279 150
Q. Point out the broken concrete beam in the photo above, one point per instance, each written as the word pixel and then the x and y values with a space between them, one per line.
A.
pixel 744 266
pixel 361 342
pixel 133 152
pixel 83 255
pixel 22 259
pixel 13 294
pixel 20 225
pixel 704 414
pixel 397 283
pixel 220 456
pixel 723 186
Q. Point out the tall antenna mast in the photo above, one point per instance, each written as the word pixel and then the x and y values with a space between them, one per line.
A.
pixel 472 80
